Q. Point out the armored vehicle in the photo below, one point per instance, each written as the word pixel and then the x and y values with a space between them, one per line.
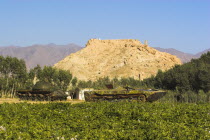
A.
pixel 127 93
pixel 42 91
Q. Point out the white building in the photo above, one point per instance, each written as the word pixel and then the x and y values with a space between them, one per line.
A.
pixel 80 95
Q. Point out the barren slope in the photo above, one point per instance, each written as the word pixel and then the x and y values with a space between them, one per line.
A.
pixel 116 58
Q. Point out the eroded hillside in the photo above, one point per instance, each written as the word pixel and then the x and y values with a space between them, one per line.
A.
pixel 116 58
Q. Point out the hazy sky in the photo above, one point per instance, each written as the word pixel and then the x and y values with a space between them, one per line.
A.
pixel 179 24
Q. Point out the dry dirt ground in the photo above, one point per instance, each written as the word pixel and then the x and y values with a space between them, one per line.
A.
pixel 16 100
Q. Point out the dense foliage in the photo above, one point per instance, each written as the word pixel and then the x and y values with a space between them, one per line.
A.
pixel 58 78
pixel 14 76
pixel 192 76
pixel 102 82
pixel 105 120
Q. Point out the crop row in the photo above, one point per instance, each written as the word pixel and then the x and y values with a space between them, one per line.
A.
pixel 105 120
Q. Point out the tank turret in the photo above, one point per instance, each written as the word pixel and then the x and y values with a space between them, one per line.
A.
pixel 42 86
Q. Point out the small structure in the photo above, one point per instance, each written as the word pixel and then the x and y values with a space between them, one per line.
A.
pixel 146 42
pixel 80 95
pixel 69 98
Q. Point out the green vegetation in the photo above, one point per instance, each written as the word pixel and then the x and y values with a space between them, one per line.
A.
pixel 192 76
pixel 14 76
pixel 101 83
pixel 164 119
pixel 58 78
pixel 189 82
pixel 105 120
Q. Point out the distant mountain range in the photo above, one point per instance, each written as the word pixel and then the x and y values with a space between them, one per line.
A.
pixel 51 53
pixel 184 57
pixel 40 54
pixel 200 53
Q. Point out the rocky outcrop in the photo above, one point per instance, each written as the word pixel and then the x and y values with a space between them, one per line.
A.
pixel 116 58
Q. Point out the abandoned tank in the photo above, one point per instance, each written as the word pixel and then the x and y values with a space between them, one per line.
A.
pixel 42 91
pixel 110 94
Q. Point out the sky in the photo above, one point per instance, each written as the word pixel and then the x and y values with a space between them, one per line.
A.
pixel 180 24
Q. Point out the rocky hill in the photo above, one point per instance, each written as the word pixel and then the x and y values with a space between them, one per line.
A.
pixel 116 58
pixel 40 54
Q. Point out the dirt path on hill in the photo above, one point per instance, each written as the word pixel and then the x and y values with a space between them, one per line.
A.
pixel 16 100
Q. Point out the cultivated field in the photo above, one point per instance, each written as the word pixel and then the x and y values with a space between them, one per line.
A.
pixel 17 100
pixel 105 120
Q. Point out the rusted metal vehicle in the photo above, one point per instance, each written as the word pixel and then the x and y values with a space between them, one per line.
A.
pixel 142 95
pixel 42 91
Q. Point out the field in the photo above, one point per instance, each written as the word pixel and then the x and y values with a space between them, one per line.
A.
pixel 105 120
pixel 17 100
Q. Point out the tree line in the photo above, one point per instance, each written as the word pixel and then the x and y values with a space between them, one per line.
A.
pixel 14 76
pixel 192 76
pixel 189 78
pixel 116 82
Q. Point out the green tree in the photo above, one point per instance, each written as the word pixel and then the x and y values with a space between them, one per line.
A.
pixel 63 79
pixel 74 82
pixel 13 75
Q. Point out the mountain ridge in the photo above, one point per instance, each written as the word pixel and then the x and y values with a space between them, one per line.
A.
pixel 40 54
pixel 29 53
pixel 185 57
